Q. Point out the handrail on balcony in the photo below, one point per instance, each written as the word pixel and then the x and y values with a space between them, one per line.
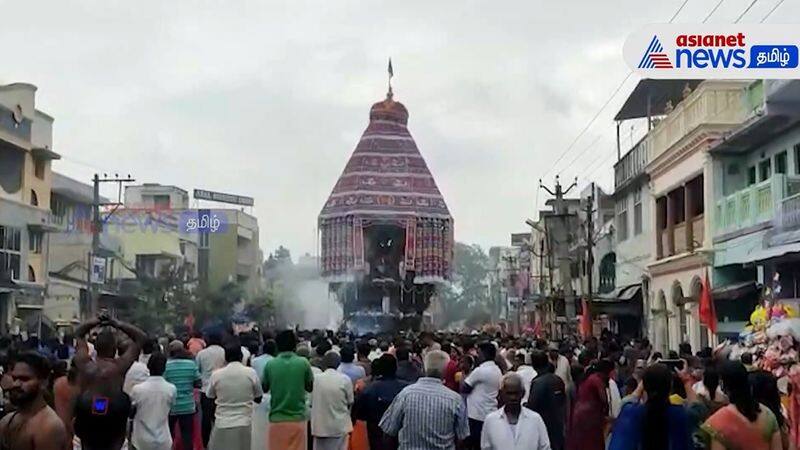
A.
pixel 710 103
pixel 633 162
pixel 755 204
pixel 789 213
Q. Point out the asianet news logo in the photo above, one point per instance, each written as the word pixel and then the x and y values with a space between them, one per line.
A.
pixel 671 53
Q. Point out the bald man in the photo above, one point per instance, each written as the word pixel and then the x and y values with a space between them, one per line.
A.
pixel 514 427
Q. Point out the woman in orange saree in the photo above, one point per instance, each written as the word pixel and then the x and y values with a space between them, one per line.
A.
pixel 744 424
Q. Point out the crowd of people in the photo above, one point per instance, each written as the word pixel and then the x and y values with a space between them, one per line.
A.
pixel 111 386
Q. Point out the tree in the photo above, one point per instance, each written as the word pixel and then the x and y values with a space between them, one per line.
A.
pixel 218 305
pixel 165 300
pixel 469 289
pixel 283 254
pixel 261 308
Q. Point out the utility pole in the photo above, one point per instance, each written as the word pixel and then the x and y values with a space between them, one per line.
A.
pixel 559 236
pixel 589 252
pixel 511 261
pixel 92 287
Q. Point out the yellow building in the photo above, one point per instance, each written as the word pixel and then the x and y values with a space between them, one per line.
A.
pixel 26 143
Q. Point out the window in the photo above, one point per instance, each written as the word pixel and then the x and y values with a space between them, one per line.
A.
pixel 34 198
pixel 765 170
pixel 637 213
pixel 797 158
pixel 10 254
pixel 607 273
pixel 780 163
pixel 203 240
pixel 622 226
pixel 621 208
pixel 38 168
pixel 751 175
pixel 678 197
pixel 146 266
pixel 161 202
pixel 697 205
pixel 661 213
pixel 35 241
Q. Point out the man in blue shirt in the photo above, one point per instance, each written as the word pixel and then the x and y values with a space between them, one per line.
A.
pixel 376 398
pixel 428 415
pixel 353 371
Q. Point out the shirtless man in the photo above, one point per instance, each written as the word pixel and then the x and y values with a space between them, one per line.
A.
pixel 102 408
pixel 34 425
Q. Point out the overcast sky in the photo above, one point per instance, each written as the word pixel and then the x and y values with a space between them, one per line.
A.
pixel 268 98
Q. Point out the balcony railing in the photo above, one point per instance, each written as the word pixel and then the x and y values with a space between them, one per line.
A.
pixel 713 103
pixel 756 204
pixel 698 231
pixel 633 163
pixel 717 103
pixel 681 244
pixel 680 238
pixel 665 247
pixel 788 216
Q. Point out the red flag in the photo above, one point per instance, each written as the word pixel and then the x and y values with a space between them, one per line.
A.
pixel 585 321
pixel 537 328
pixel 189 321
pixel 708 315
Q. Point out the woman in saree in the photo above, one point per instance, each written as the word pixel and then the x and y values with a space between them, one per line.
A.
pixel 744 424
pixel 590 415
pixel 654 423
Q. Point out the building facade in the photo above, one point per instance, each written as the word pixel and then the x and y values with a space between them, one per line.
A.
pixel 26 152
pixel 213 256
pixel 66 302
pixel 680 173
pixel 756 231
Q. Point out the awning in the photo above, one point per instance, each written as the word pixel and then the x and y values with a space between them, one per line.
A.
pixel 44 153
pixel 734 290
pixel 622 293
pixel 776 252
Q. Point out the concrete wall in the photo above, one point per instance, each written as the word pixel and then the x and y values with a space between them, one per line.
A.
pixel 667 284
pixel 634 253
pixel 135 241
pixel 62 303
pixel 33 184
pixel 41 137
pixel 223 255
pixel 141 196
pixel 22 94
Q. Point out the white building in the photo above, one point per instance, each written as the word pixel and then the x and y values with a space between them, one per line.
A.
pixel 683 124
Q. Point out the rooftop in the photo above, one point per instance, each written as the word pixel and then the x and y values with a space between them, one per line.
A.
pixel 650 97
pixel 73 189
